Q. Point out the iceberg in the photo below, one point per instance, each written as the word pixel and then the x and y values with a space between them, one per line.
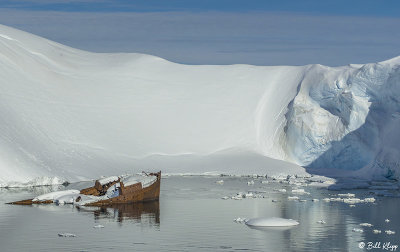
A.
pixel 271 222
pixel 76 115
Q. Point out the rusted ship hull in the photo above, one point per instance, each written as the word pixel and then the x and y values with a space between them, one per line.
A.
pixel 127 194
pixel 133 194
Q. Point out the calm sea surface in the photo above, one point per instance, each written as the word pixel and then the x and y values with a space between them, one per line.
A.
pixel 191 216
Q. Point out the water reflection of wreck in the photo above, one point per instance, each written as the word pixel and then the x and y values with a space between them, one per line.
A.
pixel 144 212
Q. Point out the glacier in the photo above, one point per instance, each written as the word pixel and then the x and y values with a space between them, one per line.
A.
pixel 73 114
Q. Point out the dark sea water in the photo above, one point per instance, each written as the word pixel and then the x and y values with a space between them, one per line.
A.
pixel 191 216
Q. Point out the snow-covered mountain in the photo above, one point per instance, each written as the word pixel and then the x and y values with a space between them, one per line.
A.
pixel 76 114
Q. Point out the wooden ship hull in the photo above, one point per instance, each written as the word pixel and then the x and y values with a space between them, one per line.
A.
pixel 132 193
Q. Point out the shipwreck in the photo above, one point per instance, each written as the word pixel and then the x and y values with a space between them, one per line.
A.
pixel 107 191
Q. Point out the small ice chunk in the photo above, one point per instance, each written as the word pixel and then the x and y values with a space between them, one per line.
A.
pixel 264 182
pixel 302 200
pixel 358 230
pixel 249 195
pixel 337 199
pixel 271 222
pixel 274 200
pixel 376 231
pixel 348 195
pixel 293 198
pixel 299 191
pixel 389 232
pixel 220 182
pixel 66 235
pixel 371 200
pixel 327 199
pixel 225 198
pixel 352 201
pixel 321 222
pixel 238 196
pixel 240 220
pixel 98 226
pixel 352 205
pixel 366 224
pixel 250 182
pixel 281 190
pixel 387 220
pixel 315 200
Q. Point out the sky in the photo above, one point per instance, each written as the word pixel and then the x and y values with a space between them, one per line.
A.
pixel 253 32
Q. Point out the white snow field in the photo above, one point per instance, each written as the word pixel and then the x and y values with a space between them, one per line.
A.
pixel 77 115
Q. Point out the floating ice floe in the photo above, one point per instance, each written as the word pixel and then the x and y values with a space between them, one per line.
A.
pixel 348 195
pixel 293 198
pixel 371 200
pixel 271 222
pixel 326 199
pixel 240 220
pixel 280 190
pixel 337 199
pixel 366 225
pixel 299 191
pixel 249 195
pixel 264 182
pixel 250 182
pixel 352 200
pixel 315 200
pixel 66 235
pixel 279 177
pixel 390 232
pixel 376 231
pixel 387 220
pixel 357 230
pixel 321 222
pixel 352 205
pixel 238 196
pixel 302 200
pixel 357 200
pixel 98 226
pixel 274 200
pixel 220 182
pixel 295 183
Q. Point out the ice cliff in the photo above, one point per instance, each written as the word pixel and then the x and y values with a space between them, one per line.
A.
pixel 76 114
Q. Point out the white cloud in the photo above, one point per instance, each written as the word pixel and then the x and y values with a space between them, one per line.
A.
pixel 220 38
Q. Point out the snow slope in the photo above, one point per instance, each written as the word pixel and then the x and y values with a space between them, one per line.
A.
pixel 77 115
